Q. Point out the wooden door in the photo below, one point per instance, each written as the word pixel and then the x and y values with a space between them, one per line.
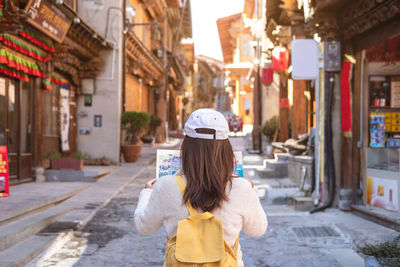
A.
pixel 15 127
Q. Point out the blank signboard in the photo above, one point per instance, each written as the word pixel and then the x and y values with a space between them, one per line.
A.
pixel 305 59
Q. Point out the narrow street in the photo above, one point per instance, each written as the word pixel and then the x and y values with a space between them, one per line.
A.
pixel 293 238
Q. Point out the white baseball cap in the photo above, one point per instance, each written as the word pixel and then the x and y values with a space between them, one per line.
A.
pixel 209 119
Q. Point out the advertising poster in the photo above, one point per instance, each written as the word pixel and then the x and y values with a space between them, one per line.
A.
pixel 382 193
pixel 4 189
pixel 82 114
pixel 64 119
pixel 85 130
pixel 169 163
pixel 395 94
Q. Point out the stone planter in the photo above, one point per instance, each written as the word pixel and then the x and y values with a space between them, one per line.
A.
pixel 132 152
pixel 67 163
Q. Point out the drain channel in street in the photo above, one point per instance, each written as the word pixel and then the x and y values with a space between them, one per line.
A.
pixel 315 231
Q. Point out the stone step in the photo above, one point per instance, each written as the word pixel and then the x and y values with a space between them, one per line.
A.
pixel 302 203
pixel 33 204
pixel 281 168
pixel 22 253
pixel 265 173
pixel 282 156
pixel 19 230
pixel 88 174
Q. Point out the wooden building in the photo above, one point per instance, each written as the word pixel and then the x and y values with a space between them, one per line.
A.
pixel 238 56
pixel 40 80
pixel 366 150
pixel 154 71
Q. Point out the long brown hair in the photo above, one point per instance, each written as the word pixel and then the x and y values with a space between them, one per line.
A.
pixel 207 166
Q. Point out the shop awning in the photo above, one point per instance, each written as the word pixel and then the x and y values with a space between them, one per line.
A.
pixel 18 66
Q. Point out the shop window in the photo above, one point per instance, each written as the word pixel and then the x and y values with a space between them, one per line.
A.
pixel 12 117
pixel 26 116
pixel 50 111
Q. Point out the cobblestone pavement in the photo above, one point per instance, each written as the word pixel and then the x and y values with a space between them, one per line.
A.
pixel 110 239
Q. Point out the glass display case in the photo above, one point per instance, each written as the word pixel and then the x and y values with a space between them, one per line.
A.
pixel 383 178
pixel 384 159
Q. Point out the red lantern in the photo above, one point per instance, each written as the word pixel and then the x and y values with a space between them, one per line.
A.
pixel 267 75
pixel 280 58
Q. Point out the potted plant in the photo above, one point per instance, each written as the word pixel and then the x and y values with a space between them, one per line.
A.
pixel 134 123
pixel 58 162
pixel 155 122
pixel 386 253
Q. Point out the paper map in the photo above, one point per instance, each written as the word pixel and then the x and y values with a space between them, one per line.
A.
pixel 169 163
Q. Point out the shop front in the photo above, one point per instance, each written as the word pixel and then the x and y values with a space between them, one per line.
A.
pixel 16 119
pixel 381 164
pixel 42 61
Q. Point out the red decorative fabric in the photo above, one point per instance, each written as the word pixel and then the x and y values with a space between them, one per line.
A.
pixel 36 41
pixel 14 74
pixel 22 50
pixel 21 67
pixel 345 78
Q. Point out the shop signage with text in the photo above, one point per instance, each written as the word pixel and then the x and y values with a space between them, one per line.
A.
pixel 48 18
pixel 4 190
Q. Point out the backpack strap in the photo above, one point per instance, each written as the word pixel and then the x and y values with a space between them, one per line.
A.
pixel 182 185
pixel 235 247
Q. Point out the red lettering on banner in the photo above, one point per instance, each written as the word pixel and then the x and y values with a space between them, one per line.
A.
pixel 283 102
pixel 4 189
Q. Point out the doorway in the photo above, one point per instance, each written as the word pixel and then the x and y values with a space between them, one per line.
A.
pixel 16 118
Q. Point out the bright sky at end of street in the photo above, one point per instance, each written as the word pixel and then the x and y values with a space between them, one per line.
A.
pixel 204 22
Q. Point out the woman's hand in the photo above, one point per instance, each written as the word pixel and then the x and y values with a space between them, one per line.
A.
pixel 150 184
pixel 250 181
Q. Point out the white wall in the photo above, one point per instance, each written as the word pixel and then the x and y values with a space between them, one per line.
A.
pixel 106 100
pixel 270 101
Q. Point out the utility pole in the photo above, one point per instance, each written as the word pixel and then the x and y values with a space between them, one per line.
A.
pixel 256 134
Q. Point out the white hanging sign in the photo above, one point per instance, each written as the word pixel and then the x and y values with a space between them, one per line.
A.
pixel 64 119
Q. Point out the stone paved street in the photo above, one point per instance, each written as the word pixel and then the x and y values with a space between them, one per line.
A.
pixel 110 239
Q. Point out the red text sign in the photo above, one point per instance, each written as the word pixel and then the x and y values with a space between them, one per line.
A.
pixel 4 190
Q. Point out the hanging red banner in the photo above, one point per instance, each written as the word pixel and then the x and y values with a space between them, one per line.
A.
pixel 346 99
pixel 4 190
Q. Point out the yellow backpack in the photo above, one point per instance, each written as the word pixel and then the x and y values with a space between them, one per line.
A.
pixel 199 241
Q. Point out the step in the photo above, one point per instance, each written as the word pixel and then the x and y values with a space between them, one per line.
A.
pixel 88 174
pixel 302 203
pixel 21 204
pixel 22 253
pixel 282 156
pixel 281 168
pixel 16 231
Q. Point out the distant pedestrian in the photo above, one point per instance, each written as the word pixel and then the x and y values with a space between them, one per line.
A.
pixel 208 189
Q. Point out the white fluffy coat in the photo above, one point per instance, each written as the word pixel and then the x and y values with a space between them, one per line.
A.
pixel 163 205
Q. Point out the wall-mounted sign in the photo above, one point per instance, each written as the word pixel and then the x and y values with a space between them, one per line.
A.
pixel 4 190
pixel 71 4
pixel 85 130
pixel 64 119
pixel 87 100
pixel 48 18
pixel 82 114
pixel 305 59
pixel 98 120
